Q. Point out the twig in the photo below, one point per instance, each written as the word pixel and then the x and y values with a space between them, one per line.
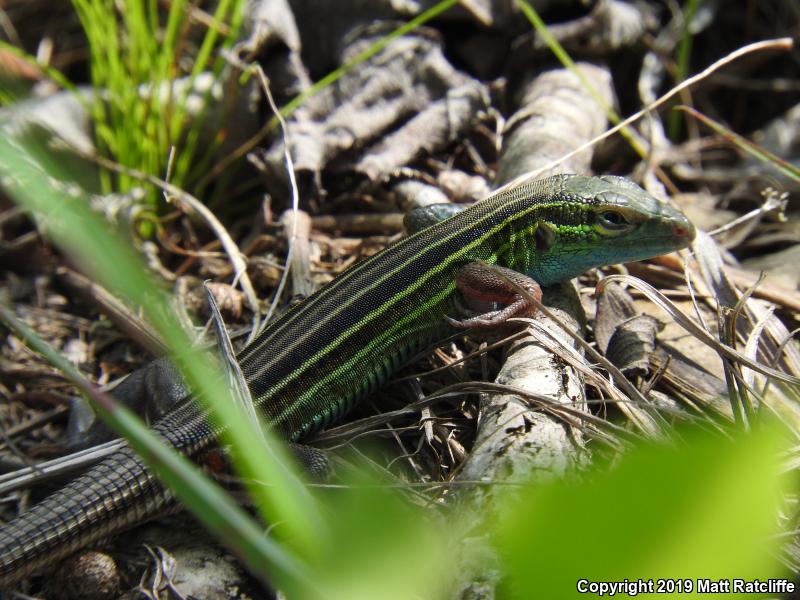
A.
pixel 292 183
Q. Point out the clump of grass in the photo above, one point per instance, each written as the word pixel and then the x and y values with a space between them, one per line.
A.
pixel 143 92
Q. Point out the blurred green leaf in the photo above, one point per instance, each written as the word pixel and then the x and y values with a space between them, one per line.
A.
pixel 706 509
pixel 381 545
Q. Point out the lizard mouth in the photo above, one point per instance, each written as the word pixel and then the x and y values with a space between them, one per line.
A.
pixel 654 245
pixel 682 234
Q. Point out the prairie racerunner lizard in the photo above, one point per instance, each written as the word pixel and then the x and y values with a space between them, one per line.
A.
pixel 312 364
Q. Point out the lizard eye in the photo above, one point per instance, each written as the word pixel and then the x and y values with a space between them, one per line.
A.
pixel 613 220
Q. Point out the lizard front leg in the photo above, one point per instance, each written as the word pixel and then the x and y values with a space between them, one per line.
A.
pixel 479 282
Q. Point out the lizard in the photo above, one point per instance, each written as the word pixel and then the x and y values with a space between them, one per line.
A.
pixel 319 358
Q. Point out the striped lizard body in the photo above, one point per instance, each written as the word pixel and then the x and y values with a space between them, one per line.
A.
pixel 312 364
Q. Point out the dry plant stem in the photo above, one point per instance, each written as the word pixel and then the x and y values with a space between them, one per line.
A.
pixel 389 223
pixel 693 385
pixel 295 198
pixel 634 405
pixel 651 79
pixel 40 420
pixel 773 203
pixel 772 291
pixel 777 44
pixel 698 332
pixel 231 249
pixel 116 310
pixel 600 429
pixel 8 442
pixel 297 229
pixel 236 380
pixel 56 468
pixel 716 279
pixel 481 353
pixel 756 322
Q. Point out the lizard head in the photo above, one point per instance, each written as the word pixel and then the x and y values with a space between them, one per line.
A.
pixel 599 221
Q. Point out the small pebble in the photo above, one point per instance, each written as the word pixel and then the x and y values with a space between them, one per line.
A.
pixel 88 575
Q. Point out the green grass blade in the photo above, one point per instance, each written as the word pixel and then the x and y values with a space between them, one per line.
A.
pixel 51 72
pixel 565 59
pixel 431 13
pixel 754 150
pixel 133 59
pixel 683 55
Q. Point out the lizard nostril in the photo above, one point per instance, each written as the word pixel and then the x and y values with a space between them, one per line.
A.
pixel 683 230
